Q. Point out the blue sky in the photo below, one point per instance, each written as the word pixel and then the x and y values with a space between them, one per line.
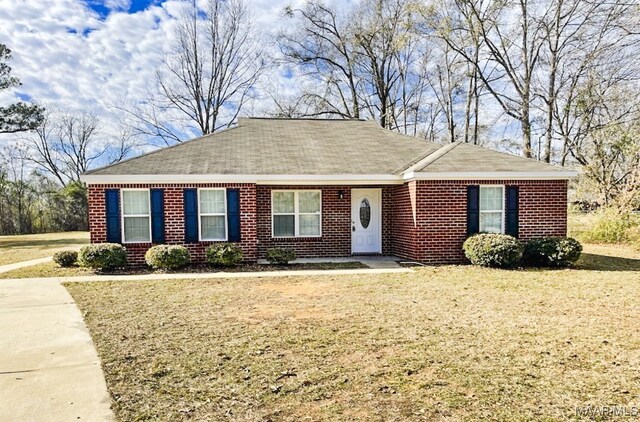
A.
pixel 102 56
pixel 97 56
pixel 103 8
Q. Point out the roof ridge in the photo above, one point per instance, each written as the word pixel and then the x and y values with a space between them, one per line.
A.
pixel 432 157
pixel 395 132
pixel 324 119
pixel 533 160
pixel 146 154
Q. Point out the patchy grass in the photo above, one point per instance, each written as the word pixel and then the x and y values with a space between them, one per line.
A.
pixel 451 342
pixel 48 269
pixel 580 222
pixel 31 246
pixel 51 269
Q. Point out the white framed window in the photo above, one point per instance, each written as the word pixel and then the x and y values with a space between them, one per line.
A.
pixel 212 214
pixel 492 209
pixel 136 215
pixel 296 213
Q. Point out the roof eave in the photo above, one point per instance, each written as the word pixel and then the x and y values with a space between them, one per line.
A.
pixel 321 179
pixel 491 175
pixel 260 179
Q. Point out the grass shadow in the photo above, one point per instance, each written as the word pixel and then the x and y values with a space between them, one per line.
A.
pixel 595 262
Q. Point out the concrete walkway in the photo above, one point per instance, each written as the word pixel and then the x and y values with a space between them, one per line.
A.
pixel 373 261
pixel 9 267
pixel 217 275
pixel 49 368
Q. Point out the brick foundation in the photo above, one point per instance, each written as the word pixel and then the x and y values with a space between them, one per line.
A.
pixel 421 220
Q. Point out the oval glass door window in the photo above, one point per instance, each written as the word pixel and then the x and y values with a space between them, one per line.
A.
pixel 365 213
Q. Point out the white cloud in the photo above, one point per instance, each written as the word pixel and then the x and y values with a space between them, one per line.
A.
pixel 70 57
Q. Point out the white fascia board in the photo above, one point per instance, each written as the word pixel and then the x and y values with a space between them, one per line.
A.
pixel 492 175
pixel 260 179
pixel 322 179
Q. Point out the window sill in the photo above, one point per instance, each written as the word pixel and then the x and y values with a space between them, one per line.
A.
pixel 296 239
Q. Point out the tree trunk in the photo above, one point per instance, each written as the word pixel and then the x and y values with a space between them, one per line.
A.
pixel 467 110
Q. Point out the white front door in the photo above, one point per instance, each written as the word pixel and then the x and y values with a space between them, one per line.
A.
pixel 366 221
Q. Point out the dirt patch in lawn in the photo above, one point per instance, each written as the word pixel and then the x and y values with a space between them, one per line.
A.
pixel 443 343
pixel 296 289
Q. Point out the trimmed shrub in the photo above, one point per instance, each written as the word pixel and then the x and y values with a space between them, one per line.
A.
pixel 102 256
pixel 167 257
pixel 280 256
pixel 224 254
pixel 65 258
pixel 552 251
pixel 493 250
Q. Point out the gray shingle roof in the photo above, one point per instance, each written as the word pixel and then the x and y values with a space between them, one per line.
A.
pixel 466 158
pixel 261 146
pixel 285 146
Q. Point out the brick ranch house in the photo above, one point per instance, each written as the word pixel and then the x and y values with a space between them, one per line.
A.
pixel 326 188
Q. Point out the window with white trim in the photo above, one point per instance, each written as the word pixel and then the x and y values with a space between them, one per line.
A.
pixel 212 214
pixel 136 216
pixel 296 213
pixel 492 209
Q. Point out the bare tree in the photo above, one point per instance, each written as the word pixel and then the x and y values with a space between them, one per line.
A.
pixel 442 24
pixel 322 45
pixel 578 34
pixel 208 75
pixel 367 63
pixel 611 164
pixel 512 37
pixel 382 34
pixel 19 195
pixel 65 145
pixel 76 134
pixel 601 58
pixel 446 79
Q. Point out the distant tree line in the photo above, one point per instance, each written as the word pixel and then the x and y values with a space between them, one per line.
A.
pixel 552 80
pixel 40 167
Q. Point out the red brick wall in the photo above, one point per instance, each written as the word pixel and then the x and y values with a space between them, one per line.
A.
pixel 434 236
pixel 441 216
pixel 336 223
pixel 402 226
pixel 174 219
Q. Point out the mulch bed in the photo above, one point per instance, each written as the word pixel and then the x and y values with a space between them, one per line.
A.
pixel 203 268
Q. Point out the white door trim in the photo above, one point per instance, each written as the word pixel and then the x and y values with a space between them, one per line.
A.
pixel 376 196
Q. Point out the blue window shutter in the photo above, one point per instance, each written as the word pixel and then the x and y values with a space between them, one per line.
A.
pixel 157 215
pixel 512 211
pixel 112 211
pixel 233 214
pixel 473 210
pixel 190 215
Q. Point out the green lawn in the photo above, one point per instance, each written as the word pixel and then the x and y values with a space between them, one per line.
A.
pixel 450 342
pixel 31 246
